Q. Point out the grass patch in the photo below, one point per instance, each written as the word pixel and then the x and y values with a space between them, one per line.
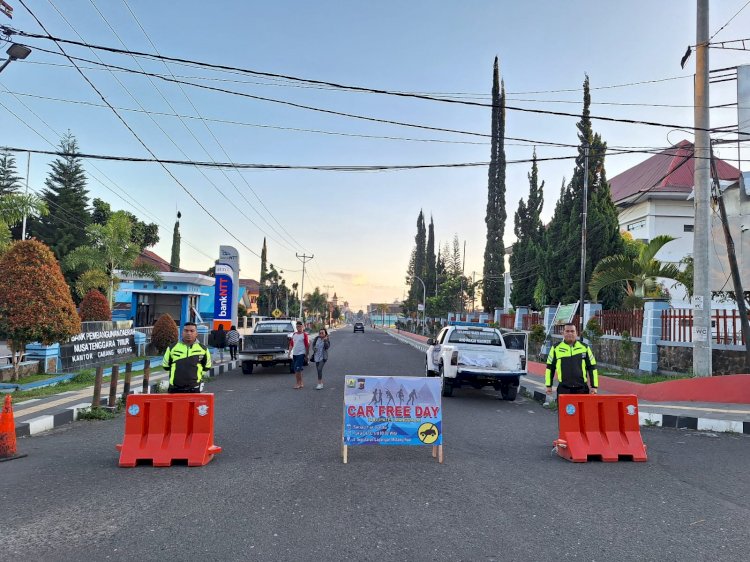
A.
pixel 95 414
pixel 645 379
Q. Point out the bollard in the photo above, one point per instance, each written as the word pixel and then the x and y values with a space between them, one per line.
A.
pixel 146 374
pixel 128 375
pixel 96 400
pixel 113 386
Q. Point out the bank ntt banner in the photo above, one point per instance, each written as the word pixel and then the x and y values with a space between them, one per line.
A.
pixel 392 411
pixel 223 291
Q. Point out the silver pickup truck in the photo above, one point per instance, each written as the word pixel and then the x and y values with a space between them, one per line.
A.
pixel 268 345
pixel 469 354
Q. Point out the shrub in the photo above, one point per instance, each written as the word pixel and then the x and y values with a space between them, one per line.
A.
pixel 35 301
pixel 165 333
pixel 537 333
pixel 94 307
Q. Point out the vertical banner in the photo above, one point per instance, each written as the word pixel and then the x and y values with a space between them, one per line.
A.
pixel 392 411
pixel 226 290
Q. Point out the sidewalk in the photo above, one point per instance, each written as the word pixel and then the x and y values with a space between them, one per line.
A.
pixel 711 415
pixel 42 414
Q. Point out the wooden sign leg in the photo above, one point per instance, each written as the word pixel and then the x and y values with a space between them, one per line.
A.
pixel 434 451
pixel 345 453
pixel 440 454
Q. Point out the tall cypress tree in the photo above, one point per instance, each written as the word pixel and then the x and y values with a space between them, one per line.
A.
pixel 174 260
pixel 66 196
pixel 262 296
pixel 494 251
pixel 420 240
pixel 562 271
pixel 10 181
pixel 430 273
pixel 526 258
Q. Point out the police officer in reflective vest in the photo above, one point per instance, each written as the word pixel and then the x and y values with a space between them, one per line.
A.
pixel 574 364
pixel 186 362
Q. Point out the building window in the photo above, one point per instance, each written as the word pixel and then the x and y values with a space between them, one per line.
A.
pixel 687 228
pixel 636 225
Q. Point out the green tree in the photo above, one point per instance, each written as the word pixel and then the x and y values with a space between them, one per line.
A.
pixel 262 291
pixel 420 242
pixel 109 254
pixel 525 260
pixel 494 251
pixel 143 234
pixel 639 274
pixel 35 301
pixel 13 207
pixel 10 181
pixel 315 303
pixel 174 260
pixel 66 196
pixel 563 235
pixel 430 275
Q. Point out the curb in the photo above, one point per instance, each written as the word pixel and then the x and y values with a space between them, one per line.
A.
pixel 69 414
pixel 653 419
pixel 409 341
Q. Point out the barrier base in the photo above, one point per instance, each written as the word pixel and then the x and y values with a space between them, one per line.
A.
pixel 13 457
pixel 563 450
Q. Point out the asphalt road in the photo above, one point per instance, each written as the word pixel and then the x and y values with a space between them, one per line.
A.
pixel 279 490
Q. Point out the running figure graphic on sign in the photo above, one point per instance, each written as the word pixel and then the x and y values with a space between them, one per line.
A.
pixel 389 396
pixel 412 396
pixel 377 396
pixel 400 396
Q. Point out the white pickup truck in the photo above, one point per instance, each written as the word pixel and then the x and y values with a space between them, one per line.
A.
pixel 471 354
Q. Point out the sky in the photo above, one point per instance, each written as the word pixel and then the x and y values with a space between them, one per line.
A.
pixel 359 226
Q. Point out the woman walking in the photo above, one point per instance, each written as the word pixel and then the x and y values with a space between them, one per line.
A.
pixel 320 346
pixel 233 339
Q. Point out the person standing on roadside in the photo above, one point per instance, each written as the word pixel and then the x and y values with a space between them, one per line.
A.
pixel 233 340
pixel 319 354
pixel 186 361
pixel 299 345
pixel 574 364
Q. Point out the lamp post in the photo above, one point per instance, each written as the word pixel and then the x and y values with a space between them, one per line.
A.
pixel 424 304
pixel 15 52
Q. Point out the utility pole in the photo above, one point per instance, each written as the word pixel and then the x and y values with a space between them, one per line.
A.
pixel 304 259
pixel 28 168
pixel 702 335
pixel 328 306
pixel 739 293
pixel 584 217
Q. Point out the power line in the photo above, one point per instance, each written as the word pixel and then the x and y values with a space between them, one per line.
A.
pixel 730 21
pixel 23 3
pixel 332 84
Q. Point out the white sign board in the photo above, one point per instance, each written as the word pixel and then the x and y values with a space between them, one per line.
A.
pixel 700 334
pixel 420 307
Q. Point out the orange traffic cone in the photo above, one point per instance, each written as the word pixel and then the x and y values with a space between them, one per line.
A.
pixel 8 432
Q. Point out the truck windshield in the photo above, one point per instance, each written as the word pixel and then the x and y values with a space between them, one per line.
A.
pixel 480 337
pixel 273 328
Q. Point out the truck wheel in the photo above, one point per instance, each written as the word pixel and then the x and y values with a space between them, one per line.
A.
pixel 447 386
pixel 247 367
pixel 428 372
pixel 509 392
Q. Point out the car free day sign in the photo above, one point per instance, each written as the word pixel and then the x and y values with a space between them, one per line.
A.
pixel 392 411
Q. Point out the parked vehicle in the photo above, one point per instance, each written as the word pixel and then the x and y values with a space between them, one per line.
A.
pixel 472 354
pixel 268 345
pixel 359 327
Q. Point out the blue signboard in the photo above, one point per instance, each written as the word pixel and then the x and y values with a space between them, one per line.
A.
pixel 392 411
pixel 223 290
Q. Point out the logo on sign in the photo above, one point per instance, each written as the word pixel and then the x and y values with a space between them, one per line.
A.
pixel 630 409
pixel 202 410
pixel 133 410
pixel 570 409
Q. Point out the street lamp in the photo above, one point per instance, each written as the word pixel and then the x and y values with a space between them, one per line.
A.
pixel 15 52
pixel 424 305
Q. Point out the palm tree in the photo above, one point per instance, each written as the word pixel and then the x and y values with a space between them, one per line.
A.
pixel 315 302
pixel 13 207
pixel 640 271
pixel 383 308
pixel 111 253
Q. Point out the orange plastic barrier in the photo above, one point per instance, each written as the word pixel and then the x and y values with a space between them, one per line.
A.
pixel 164 428
pixel 8 432
pixel 592 425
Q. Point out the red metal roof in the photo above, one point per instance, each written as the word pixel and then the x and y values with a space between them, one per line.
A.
pixel 149 257
pixel 670 171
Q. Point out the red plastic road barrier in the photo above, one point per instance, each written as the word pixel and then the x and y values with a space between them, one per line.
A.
pixel 8 432
pixel 164 428
pixel 599 426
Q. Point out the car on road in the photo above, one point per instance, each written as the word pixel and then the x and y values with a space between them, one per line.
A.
pixel 359 327
pixel 268 345
pixel 476 355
